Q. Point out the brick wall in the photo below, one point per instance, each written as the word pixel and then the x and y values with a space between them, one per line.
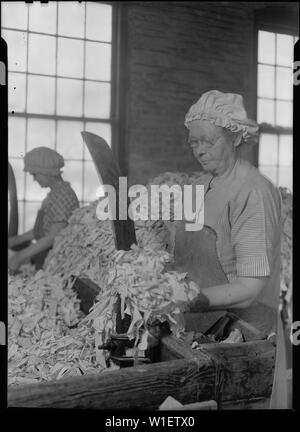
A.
pixel 175 52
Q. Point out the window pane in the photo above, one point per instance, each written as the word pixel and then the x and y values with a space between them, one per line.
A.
pixel 34 192
pixel 40 133
pixel 69 140
pixel 71 19
pixel 285 177
pixel 284 84
pixel 41 58
pixel 285 50
pixel 42 17
pixel 91 182
pixel 97 99
pixel 16 92
pixel 101 129
pixel 98 61
pixel 269 172
pixel 266 81
pixel 98 22
pixel 284 114
pixel 265 111
pixel 268 149
pixel 69 97
pixel 16 49
pixel 18 166
pixel 16 136
pixel 286 150
pixel 31 210
pixel 72 172
pixel 266 47
pixel 70 58
pixel 40 97
pixel 14 14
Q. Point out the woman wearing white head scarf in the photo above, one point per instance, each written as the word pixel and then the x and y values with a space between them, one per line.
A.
pixel 45 165
pixel 243 209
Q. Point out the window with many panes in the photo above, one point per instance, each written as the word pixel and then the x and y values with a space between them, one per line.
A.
pixel 59 84
pixel 275 106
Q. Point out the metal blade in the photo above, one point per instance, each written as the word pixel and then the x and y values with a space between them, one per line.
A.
pixel 107 167
pixel 109 172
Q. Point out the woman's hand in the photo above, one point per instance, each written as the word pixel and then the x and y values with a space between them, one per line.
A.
pixel 41 245
pixel 14 263
pixel 193 286
pixel 194 293
pixel 12 242
pixel 199 302
pixel 20 239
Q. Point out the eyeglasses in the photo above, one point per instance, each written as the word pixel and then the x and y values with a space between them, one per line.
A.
pixel 204 143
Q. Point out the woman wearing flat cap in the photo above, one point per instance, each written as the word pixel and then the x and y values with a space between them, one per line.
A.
pixel 45 165
pixel 235 258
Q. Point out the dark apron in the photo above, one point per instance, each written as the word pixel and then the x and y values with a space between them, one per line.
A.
pixel 38 233
pixel 196 253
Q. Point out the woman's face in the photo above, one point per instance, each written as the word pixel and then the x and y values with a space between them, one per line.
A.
pixel 211 146
pixel 43 180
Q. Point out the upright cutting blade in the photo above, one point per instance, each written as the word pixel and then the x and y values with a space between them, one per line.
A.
pixel 109 172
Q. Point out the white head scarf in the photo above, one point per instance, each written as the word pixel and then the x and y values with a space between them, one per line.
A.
pixel 225 110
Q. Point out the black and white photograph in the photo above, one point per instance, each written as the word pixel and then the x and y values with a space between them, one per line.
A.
pixel 150 207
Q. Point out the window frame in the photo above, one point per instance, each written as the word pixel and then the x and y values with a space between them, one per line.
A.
pixel 117 107
pixel 120 77
pixel 276 20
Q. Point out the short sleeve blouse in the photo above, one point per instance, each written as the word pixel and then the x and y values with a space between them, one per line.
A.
pixel 58 205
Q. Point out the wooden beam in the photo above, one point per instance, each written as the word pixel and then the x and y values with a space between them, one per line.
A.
pixel 257 404
pixel 143 387
pixel 243 371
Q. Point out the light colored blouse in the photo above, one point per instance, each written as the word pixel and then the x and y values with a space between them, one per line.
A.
pixel 249 228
